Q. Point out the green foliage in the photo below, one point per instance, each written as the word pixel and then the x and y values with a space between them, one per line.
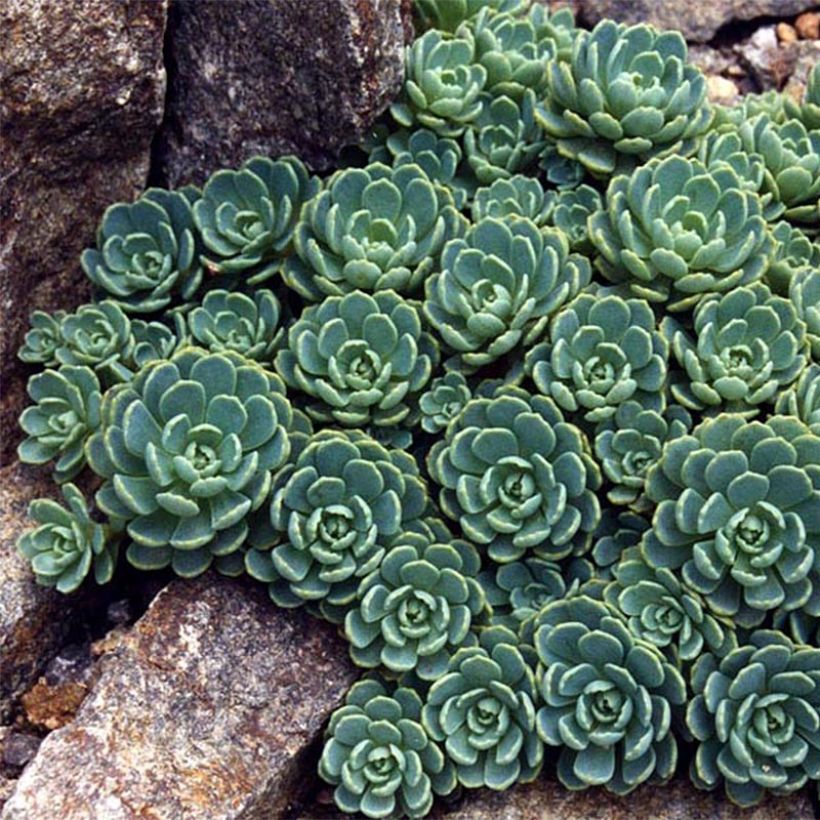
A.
pixel 43 339
pixel 571 214
pixel 447 15
pixel 793 251
pixel 516 196
pixel 445 399
pixel 804 293
pixel 803 399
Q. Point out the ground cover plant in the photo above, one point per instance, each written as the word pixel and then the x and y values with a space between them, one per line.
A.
pixel 524 397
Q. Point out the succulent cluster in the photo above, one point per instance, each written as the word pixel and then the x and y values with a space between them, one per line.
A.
pixel 525 399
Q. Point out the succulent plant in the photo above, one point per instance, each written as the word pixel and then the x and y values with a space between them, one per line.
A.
pixel 43 339
pixel 444 400
pixel 147 252
pixel 618 531
pixel 571 213
pixel 361 356
pixel 188 450
pixel 340 504
pixel 371 229
pixel 747 345
pixel 560 172
pixel 416 609
pixel 517 196
pixel 247 217
pixel 68 542
pixel 626 94
pixel 442 84
pixel 808 110
pixel 154 340
pixel 248 325
pixel 66 413
pixel 602 351
pixel 676 231
pixel 803 399
pixel 755 715
pixel 380 758
pixel 737 514
pixel 663 612
pixel 498 287
pixel 483 712
pixel 447 15
pixel 631 441
pixel 607 698
pixel 804 293
pixel 517 478
pixel 793 251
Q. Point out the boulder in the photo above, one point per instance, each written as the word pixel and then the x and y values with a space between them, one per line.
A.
pixel 275 77
pixel 208 708
pixel 81 86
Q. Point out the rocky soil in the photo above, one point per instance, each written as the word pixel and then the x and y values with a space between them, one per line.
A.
pixel 200 699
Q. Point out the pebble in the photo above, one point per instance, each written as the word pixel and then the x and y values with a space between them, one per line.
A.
pixel 786 33
pixel 808 25
pixel 721 90
pixel 19 748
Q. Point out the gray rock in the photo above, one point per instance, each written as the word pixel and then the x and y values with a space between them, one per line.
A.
pixel 207 709
pixel 698 20
pixel 19 748
pixel 275 77
pixel 81 86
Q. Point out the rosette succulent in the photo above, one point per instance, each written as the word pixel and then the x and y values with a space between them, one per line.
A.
pixel 602 351
pixel 147 252
pixel 154 340
pixel 447 15
pixel 379 757
pixel 625 94
pixel 338 506
pixel 361 356
pixel 68 542
pixel 66 414
pixel 631 441
pixel 803 399
pixel 737 514
pixel 677 231
pixel 571 214
pixel 498 287
pixel 793 251
pixel 416 609
pixel 42 340
pixel 617 532
pixel 756 715
pixel 372 229
pixel 561 172
pixel 747 345
pixel 607 696
pixel 517 477
pixel 247 217
pixel 808 110
pixel 248 325
pixel 442 84
pixel 445 399
pixel 188 450
pixel 804 293
pixel 513 197
pixel 483 712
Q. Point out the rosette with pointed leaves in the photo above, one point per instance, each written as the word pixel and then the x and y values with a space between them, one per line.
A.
pixel 361 356
pixel 793 251
pixel 607 697
pixel 43 339
pixel 737 514
pixel 67 543
pixel 379 757
pixel 154 340
pixel 602 351
pixel 148 251
pixel 448 15
pixel 498 287
pixel 247 217
pixel 803 399
pixel 248 325
pixel 517 196
pixel 416 609
pixel 663 612
pixel 617 532
pixel 804 293
pixel 371 229
pixel 66 414
pixel 631 441
pixel 747 345
pixel 442 84
pixel 791 154
pixel 340 503
pixel 676 231
pixel 444 400
pixel 517 477
pixel 625 94
pixel 100 337
pixel 571 213
pixel 483 712
pixel 188 450
pixel 756 715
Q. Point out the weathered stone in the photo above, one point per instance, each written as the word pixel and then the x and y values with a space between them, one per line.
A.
pixel 272 77
pixel 808 25
pixel 803 56
pixel 19 748
pixel 206 710
pixel 767 60
pixel 82 86
pixel 786 33
pixel 52 706
pixel 721 90
pixel 700 19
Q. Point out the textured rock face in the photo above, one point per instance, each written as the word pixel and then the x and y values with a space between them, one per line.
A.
pixel 82 86
pixel 275 77
pixel 206 710
pixel 698 20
